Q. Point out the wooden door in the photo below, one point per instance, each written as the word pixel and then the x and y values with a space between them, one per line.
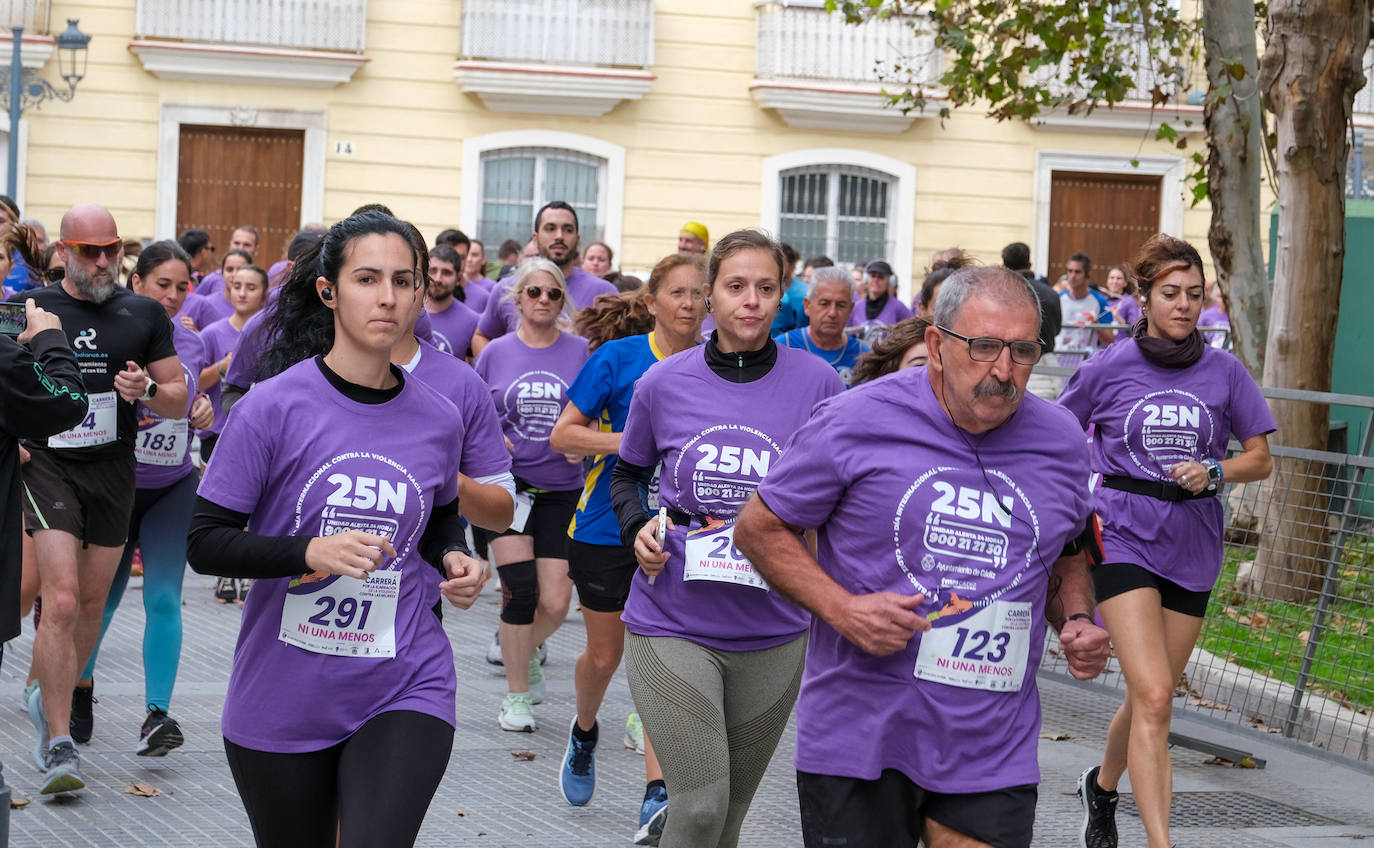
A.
pixel 228 176
pixel 1106 216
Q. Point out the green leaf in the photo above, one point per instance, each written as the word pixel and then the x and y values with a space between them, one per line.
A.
pixel 1166 133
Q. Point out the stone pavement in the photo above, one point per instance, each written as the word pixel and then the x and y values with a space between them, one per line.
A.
pixel 490 798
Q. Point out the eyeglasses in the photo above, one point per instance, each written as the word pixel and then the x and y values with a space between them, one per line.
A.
pixel 554 292
pixel 987 349
pixel 90 251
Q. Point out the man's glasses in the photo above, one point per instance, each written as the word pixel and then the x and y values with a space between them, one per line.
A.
pixel 987 349
pixel 554 292
pixel 91 251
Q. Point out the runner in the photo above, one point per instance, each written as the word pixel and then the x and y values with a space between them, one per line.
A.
pixel 1121 300
pixel 206 309
pixel 166 492
pixel 343 679
pixel 932 583
pixel 454 319
pixel 528 373
pixel 600 565
pixel 904 346
pixel 1163 410
pixel 878 307
pixel 713 656
pixel 475 268
pixel 828 304
pixel 555 239
pixel 81 482
pixel 247 291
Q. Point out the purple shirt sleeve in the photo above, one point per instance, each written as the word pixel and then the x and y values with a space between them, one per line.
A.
pixel 1250 415
pixel 805 486
pixel 243 459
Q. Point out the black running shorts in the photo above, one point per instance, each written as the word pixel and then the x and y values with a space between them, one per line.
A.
pixel 90 499
pixel 1117 578
pixel 602 574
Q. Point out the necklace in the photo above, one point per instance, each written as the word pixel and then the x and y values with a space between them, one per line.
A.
pixel 821 352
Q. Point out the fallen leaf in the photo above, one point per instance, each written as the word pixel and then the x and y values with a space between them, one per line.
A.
pixel 1218 761
pixel 523 755
pixel 1259 620
pixel 143 790
pixel 18 803
pixel 1056 737
pixel 1304 636
pixel 1244 620
pixel 1232 613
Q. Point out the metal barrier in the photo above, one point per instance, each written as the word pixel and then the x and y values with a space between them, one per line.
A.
pixel 1300 667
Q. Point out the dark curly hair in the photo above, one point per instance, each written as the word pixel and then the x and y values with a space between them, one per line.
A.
pixel 887 354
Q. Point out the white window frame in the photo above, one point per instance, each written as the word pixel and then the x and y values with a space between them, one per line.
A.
pixel 1171 168
pixel 901 227
pixel 612 209
pixel 173 115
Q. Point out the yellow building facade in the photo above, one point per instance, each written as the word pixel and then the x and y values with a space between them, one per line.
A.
pixel 643 114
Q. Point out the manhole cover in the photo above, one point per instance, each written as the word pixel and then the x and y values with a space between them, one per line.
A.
pixel 1231 809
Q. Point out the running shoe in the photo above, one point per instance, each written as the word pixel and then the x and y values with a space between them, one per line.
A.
pixel 653 815
pixel 578 779
pixel 1099 812
pixel 634 734
pixel 29 689
pixel 82 723
pixel 516 715
pixel 494 650
pixel 536 681
pixel 40 723
pixel 160 734
pixel 243 587
pixel 225 590
pixel 63 768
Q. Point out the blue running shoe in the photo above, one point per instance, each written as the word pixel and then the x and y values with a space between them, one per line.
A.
pixel 578 777
pixel 40 748
pixel 653 815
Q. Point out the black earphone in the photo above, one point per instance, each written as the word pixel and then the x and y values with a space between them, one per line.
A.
pixel 326 294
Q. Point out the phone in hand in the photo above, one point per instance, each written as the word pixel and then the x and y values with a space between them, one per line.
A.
pixel 13 319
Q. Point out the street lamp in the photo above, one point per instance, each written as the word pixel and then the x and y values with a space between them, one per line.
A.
pixel 22 88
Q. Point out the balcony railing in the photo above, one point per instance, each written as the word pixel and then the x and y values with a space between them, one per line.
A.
pixel 801 40
pixel 32 15
pixel 294 24
pixel 616 33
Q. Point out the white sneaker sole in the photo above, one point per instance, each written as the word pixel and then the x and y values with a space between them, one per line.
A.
pixel 516 728
pixel 644 836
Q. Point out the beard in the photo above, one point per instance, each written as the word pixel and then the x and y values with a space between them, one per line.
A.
pixel 995 388
pixel 87 286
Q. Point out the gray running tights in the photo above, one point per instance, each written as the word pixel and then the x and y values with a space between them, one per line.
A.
pixel 715 718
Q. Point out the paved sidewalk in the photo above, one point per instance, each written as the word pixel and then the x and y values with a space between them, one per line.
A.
pixel 490 798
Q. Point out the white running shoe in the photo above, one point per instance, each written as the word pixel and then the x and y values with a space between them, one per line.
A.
pixel 536 681
pixel 516 715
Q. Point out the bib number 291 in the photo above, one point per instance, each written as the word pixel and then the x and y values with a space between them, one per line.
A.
pixel 348 609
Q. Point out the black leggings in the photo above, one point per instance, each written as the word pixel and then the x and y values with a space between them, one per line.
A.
pixel 388 771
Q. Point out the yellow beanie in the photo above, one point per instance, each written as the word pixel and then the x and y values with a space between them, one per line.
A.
pixel 698 231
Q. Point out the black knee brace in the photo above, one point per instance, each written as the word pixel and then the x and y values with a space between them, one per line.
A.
pixel 519 591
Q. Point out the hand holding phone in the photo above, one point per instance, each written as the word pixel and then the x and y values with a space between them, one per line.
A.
pixel 662 534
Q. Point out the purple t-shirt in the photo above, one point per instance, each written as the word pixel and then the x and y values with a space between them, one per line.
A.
pixel 892 312
pixel 476 297
pixel 211 283
pixel 957 710
pixel 500 316
pixel 716 440
pixel 452 329
pixel 303 460
pixel 219 338
pixel 1126 310
pixel 163 446
pixel 1214 316
pixel 207 310
pixel 530 388
pixel 485 284
pixel 252 341
pixel 1147 418
pixel 484 449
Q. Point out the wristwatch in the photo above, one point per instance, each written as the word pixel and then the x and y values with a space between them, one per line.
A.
pixel 150 392
pixel 1213 473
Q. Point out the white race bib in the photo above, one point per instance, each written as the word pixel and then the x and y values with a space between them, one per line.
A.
pixel 164 443
pixel 346 617
pixel 713 556
pixel 987 650
pixel 523 504
pixel 99 427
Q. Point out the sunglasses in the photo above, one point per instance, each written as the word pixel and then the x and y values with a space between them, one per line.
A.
pixel 554 292
pixel 91 251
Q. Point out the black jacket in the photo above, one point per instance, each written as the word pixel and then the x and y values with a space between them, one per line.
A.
pixel 41 394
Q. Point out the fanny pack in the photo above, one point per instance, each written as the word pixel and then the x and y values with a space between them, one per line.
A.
pixel 1171 492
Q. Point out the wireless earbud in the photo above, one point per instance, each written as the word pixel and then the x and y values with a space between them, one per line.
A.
pixel 326 294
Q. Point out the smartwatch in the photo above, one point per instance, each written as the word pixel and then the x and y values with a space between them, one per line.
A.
pixel 1213 473
pixel 150 392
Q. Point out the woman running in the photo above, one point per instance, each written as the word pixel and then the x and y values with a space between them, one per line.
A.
pixel 713 657
pixel 166 493
pixel 345 473
pixel 904 346
pixel 247 291
pixel 600 565
pixel 1164 408
pixel 528 372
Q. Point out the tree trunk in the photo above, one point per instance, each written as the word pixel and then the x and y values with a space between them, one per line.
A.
pixel 1309 76
pixel 1235 155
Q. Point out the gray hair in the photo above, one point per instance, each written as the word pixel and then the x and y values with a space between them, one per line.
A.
pixel 533 265
pixel 829 276
pixel 998 285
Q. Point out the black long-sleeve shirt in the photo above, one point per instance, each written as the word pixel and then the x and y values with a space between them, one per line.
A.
pixel 41 394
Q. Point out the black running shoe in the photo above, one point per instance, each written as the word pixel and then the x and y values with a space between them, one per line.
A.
pixel 83 713
pixel 225 590
pixel 1099 812
pixel 160 734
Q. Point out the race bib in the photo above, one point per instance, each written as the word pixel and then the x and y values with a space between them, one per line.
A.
pixel 523 504
pixel 164 443
pixel 99 427
pixel 987 650
pixel 712 555
pixel 342 616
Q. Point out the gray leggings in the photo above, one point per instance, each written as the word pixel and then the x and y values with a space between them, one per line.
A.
pixel 714 718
